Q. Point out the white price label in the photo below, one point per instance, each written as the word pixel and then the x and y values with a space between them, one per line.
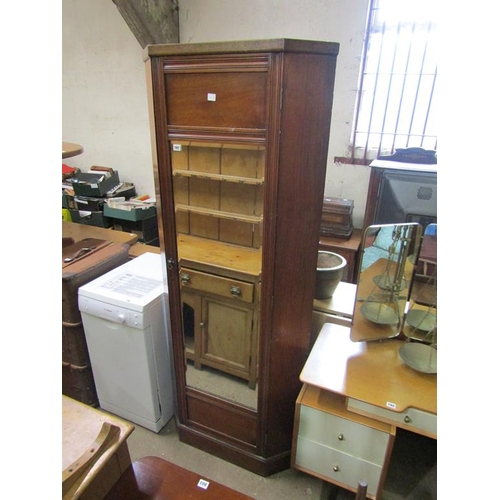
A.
pixel 211 97
pixel 390 405
pixel 203 484
pixel 177 147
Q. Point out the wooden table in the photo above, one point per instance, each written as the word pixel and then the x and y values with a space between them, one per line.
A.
pixel 155 478
pixel 341 303
pixel 372 372
pixel 138 249
pixel 70 149
pixel 336 309
pixel 81 425
pixel 81 231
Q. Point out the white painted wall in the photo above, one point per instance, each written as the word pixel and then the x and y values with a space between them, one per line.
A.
pixel 104 99
pixel 104 104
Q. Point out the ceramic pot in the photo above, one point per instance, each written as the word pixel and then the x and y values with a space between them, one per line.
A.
pixel 329 270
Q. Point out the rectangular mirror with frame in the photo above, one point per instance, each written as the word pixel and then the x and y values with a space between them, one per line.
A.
pixel 396 294
pixel 384 280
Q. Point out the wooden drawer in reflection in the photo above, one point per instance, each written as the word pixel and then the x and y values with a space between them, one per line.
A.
pixel 218 285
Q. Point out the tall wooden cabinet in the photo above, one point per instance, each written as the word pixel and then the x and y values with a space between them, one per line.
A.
pixel 240 134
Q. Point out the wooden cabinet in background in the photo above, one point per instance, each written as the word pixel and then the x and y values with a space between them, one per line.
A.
pixel 240 140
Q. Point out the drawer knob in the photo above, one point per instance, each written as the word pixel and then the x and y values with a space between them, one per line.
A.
pixel 185 278
pixel 341 437
pixel 407 419
pixel 202 325
pixel 336 468
pixel 235 291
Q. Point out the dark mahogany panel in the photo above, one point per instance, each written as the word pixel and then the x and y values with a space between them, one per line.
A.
pixel 225 420
pixel 217 99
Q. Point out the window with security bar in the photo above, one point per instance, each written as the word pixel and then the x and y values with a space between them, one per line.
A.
pixel 396 103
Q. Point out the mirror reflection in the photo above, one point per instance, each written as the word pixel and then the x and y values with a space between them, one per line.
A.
pixel 420 322
pixel 218 195
pixel 421 318
pixel 384 280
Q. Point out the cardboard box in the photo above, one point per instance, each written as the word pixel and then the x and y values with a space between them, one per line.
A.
pixel 94 184
pixel 68 201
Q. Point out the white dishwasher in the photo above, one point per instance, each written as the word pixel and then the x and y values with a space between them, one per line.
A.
pixel 126 323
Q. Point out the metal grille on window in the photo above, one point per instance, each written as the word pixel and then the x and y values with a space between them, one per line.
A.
pixel 396 105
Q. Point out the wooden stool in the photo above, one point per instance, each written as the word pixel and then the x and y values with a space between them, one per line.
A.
pixel 153 478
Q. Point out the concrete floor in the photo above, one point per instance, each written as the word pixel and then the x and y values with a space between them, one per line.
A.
pixel 412 473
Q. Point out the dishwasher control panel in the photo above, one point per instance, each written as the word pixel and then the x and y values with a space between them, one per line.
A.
pixel 113 313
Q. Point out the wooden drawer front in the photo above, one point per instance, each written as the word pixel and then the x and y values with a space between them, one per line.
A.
pixel 343 435
pixel 339 467
pixel 235 100
pixel 420 421
pixel 225 287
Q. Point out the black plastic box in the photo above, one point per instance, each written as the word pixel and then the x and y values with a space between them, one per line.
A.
pixel 94 184
pixel 145 229
pixel 89 203
pixel 91 218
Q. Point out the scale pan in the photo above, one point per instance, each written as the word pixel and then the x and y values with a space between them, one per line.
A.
pixel 420 357
pixel 421 320
pixel 380 313
pixel 386 282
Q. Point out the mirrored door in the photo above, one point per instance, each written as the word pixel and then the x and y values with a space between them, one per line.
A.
pixel 218 196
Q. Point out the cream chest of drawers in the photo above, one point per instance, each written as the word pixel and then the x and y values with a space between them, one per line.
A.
pixel 412 419
pixel 337 445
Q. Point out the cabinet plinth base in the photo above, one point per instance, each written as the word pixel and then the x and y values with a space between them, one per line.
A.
pixel 254 463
